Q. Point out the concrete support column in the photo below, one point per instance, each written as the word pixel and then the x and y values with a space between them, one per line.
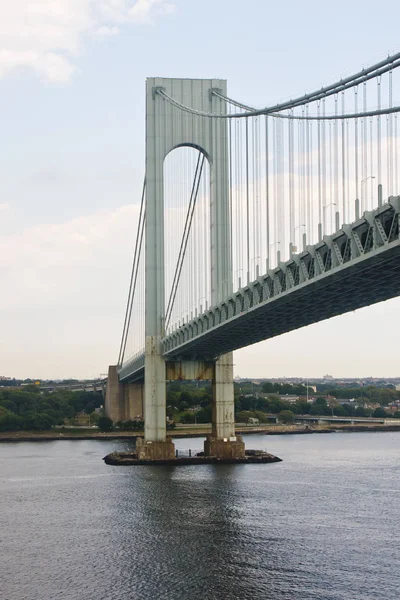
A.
pixel 223 407
pixel 133 400
pixel 155 445
pixel 223 442
pixel 114 402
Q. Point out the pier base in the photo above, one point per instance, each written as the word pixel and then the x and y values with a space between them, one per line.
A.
pixel 232 447
pixel 155 450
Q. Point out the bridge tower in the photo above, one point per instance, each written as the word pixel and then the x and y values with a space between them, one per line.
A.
pixel 167 128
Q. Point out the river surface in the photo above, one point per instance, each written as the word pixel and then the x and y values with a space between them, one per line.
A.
pixel 323 524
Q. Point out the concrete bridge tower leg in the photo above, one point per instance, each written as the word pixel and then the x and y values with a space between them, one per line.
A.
pixel 223 442
pixel 133 401
pixel 155 444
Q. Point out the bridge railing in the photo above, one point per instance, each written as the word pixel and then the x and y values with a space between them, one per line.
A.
pixel 132 368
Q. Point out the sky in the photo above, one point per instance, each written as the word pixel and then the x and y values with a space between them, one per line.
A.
pixel 72 75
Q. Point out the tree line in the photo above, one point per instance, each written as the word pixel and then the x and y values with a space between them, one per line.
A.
pixel 30 409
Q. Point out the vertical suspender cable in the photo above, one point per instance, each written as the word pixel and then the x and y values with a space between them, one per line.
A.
pixel 237 199
pixel 280 188
pixel 254 195
pixel 267 224
pixel 323 169
pixel 230 193
pixel 371 162
pixel 303 175
pixel 319 174
pixel 307 222
pixel 331 177
pixel 311 185
pixel 356 144
pixel 241 219
pixel 390 133
pixel 185 236
pixel 347 213
pixel 343 164
pixel 364 193
pixel 336 158
pixel 275 170
pixel 247 205
pixel 299 178
pixel 291 185
pixel 379 133
pixel 257 159
pixel 396 166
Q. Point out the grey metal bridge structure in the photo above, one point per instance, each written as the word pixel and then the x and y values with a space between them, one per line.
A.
pixel 253 223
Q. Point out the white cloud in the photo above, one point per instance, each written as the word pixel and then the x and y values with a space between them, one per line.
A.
pixel 64 289
pixel 36 263
pixel 146 10
pixel 106 31
pixel 46 35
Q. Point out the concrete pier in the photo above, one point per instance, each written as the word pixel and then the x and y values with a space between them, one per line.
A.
pixel 114 403
pixel 223 443
pixel 155 405
pixel 148 450
pixel 133 401
pixel 124 401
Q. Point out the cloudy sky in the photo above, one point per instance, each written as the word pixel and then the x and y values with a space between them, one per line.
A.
pixel 72 78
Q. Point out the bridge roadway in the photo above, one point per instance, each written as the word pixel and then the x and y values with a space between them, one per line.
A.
pixel 357 266
pixel 81 386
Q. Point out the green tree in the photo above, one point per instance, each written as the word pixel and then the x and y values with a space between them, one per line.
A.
pixel 268 387
pixel 186 399
pixel 10 421
pixel 242 416
pixel 302 407
pixel 188 417
pixel 204 415
pixel 380 413
pixel 105 423
pixel 286 416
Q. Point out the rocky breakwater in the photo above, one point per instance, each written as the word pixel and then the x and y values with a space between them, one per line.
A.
pixel 252 457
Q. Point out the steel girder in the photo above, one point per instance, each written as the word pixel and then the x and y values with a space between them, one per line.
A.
pixel 356 266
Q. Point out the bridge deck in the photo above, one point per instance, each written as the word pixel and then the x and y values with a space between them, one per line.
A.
pixel 363 282
pixel 357 266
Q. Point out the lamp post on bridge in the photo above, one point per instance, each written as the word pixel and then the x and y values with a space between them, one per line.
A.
pixel 324 214
pixel 256 268
pixel 363 182
pixel 292 246
pixel 278 254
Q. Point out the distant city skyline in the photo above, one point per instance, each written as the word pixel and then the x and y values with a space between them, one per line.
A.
pixel 72 164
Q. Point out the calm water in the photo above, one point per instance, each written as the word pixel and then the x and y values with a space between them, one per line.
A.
pixel 323 524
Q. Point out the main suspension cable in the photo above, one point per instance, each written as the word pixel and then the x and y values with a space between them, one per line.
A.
pixel 387 65
pixel 134 273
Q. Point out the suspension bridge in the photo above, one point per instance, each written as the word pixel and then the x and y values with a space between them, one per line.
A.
pixel 253 222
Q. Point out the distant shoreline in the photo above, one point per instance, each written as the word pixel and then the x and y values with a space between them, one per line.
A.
pixel 189 432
